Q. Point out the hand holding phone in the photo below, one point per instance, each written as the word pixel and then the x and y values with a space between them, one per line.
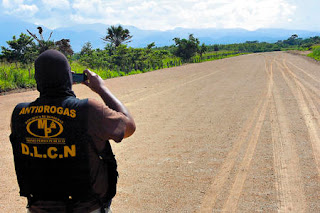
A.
pixel 78 78
pixel 94 82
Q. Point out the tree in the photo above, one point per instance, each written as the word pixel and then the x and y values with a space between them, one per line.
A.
pixel 110 49
pixel 202 49
pixel 292 40
pixel 20 50
pixel 117 35
pixel 307 46
pixel 86 49
pixel 119 57
pixel 252 42
pixel 150 46
pixel 64 46
pixel 216 47
pixel 186 48
pixel 42 44
pixel 294 36
pixel 316 39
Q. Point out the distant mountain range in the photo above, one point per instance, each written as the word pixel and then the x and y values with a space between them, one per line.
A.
pixel 93 33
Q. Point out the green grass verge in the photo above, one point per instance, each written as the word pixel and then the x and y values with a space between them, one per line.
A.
pixel 14 76
pixel 316 53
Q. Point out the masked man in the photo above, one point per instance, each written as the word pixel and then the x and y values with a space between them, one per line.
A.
pixel 63 158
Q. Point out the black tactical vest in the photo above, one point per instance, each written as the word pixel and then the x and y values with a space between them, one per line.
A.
pixel 50 146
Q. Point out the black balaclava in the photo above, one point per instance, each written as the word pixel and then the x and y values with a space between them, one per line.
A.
pixel 53 74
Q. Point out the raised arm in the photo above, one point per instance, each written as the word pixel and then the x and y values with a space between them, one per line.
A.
pixel 96 84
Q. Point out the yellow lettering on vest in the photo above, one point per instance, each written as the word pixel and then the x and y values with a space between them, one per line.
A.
pixel 72 113
pixel 53 125
pixel 53 109
pixel 33 108
pixel 66 112
pixel 24 149
pixel 42 124
pixel 23 111
pixel 47 131
pixel 60 110
pixel 51 154
pixel 70 151
pixel 46 109
pixel 40 109
pixel 28 110
pixel 35 152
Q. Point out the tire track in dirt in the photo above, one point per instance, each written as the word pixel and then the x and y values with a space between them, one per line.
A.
pixel 286 161
pixel 139 91
pixel 282 178
pixel 315 92
pixel 216 188
pixel 302 84
pixel 306 94
pixel 299 92
pixel 172 88
pixel 232 202
pixel 306 73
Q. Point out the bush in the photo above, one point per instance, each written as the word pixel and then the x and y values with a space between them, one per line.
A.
pixel 307 46
pixel 316 53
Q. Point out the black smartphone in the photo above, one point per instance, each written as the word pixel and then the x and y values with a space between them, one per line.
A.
pixel 78 78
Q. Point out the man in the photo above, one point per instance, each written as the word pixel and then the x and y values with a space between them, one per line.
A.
pixel 63 159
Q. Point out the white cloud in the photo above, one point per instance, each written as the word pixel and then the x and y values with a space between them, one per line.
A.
pixel 19 8
pixel 164 14
pixel 96 8
pixel 157 14
pixel 58 4
pixel 250 14
pixel 11 3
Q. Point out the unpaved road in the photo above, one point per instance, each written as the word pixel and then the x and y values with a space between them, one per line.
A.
pixel 239 134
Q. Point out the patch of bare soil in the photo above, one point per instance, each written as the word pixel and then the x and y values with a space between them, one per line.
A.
pixel 297 52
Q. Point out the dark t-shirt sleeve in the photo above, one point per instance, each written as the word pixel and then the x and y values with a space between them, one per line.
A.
pixel 105 123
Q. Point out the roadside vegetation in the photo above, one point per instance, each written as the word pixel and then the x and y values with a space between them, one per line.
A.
pixel 118 59
pixel 315 54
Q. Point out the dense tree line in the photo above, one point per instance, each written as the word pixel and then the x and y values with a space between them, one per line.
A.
pixel 24 50
pixel 115 56
pixel 121 57
pixel 293 42
pixel 118 56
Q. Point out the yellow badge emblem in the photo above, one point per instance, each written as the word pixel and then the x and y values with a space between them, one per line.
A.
pixel 44 127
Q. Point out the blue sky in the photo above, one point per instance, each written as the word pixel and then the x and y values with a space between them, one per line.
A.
pixel 169 14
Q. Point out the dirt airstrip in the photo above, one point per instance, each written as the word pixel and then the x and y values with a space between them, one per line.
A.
pixel 239 134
